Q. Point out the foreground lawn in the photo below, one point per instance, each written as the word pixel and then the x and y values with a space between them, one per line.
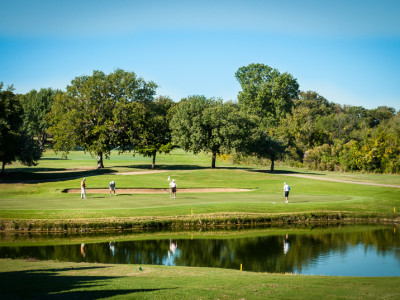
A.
pixel 48 279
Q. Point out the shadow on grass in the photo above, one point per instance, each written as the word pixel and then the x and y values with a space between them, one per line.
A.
pixel 50 284
pixel 51 158
pixel 35 175
pixel 283 172
pixel 181 167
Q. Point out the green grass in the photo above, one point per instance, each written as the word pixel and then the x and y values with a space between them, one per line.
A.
pixel 49 279
pixel 36 192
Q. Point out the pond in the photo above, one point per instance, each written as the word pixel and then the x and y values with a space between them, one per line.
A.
pixel 338 251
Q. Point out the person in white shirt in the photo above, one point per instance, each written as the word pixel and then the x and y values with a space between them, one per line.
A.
pixel 286 189
pixel 172 186
pixel 112 187
pixel 83 188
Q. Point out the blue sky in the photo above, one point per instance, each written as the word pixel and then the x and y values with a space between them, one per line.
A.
pixel 346 50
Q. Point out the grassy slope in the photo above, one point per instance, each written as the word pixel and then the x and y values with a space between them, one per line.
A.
pixel 41 280
pixel 35 193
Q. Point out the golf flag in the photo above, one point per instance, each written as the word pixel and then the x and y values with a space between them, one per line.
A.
pixel 169 178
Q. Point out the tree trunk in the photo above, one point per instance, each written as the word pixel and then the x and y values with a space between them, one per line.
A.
pixel 100 164
pixel 3 167
pixel 153 165
pixel 214 157
pixel 42 141
pixel 272 164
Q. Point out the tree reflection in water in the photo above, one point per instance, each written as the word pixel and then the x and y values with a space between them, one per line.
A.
pixel 282 253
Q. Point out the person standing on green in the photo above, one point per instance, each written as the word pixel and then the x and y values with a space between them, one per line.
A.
pixel 83 188
pixel 286 190
pixel 172 186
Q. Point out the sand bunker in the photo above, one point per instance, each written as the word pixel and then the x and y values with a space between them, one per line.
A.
pixel 157 191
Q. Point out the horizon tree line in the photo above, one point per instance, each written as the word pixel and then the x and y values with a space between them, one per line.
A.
pixel 272 120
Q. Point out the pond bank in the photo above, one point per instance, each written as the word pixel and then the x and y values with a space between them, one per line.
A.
pixel 190 221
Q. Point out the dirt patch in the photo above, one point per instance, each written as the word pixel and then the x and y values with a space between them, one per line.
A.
pixel 157 191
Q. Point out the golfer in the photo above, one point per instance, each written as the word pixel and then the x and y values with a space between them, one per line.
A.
pixel 83 188
pixel 112 187
pixel 172 186
pixel 286 189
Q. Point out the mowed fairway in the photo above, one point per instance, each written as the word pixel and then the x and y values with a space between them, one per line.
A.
pixel 36 192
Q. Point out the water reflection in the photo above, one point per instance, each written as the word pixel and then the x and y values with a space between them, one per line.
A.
pixel 348 253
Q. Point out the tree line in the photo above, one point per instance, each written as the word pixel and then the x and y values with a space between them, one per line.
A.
pixel 271 119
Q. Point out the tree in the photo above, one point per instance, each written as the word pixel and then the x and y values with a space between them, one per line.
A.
pixel 36 105
pixel 15 144
pixel 156 136
pixel 99 112
pixel 201 124
pixel 266 92
pixel 317 104
pixel 380 114
pixel 264 145
pixel 298 132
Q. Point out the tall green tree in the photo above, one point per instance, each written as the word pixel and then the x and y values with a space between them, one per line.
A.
pixel 263 144
pixel 36 106
pixel 156 134
pixel 100 112
pixel 15 143
pixel 266 92
pixel 209 125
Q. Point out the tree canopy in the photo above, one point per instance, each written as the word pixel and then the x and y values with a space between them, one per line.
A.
pixel 271 120
pixel 36 106
pixel 266 92
pixel 156 134
pixel 201 124
pixel 100 112
pixel 15 143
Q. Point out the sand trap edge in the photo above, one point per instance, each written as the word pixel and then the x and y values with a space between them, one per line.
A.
pixel 157 191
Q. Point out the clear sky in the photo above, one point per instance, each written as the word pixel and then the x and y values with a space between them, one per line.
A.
pixel 346 50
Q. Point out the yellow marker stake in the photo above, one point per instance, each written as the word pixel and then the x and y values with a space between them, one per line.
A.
pixel 240 267
pixel 394 209
pixel 191 212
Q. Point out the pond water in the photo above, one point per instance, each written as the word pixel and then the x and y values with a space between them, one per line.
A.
pixel 345 251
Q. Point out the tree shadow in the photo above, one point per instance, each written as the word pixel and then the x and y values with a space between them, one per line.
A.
pixel 51 158
pixel 165 167
pixel 41 175
pixel 50 284
pixel 284 172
